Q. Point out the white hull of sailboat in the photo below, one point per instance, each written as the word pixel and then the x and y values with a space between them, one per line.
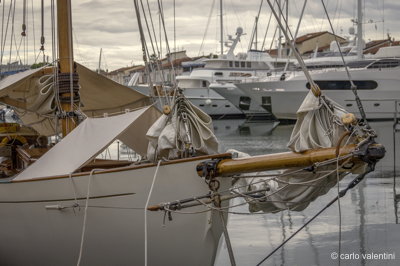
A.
pixel 33 232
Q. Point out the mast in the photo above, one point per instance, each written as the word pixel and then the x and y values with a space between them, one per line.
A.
pixel 279 32
pixel 359 30
pixel 67 77
pixel 98 70
pixel 221 21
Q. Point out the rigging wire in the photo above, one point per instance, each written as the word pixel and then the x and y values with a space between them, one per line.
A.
pixel 154 61
pixel 33 30
pixel 161 10
pixel 153 30
pixel 2 36
pixel 254 31
pixel 314 87
pixel 353 86
pixel 42 38
pixel 266 31
pixel 207 25
pixel 295 35
pixel 12 31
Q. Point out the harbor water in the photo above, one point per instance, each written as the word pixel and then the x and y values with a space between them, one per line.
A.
pixel 369 221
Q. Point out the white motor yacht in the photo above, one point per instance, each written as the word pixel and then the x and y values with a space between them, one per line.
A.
pixel 376 81
pixel 224 71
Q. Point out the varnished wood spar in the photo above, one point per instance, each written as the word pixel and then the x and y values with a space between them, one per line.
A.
pixel 279 160
pixel 66 56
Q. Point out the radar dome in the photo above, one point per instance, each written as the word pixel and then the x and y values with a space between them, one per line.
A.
pixel 239 30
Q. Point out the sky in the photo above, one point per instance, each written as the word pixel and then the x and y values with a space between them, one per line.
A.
pixel 112 26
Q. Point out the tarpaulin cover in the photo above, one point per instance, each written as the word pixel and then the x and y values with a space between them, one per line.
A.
pixel 89 139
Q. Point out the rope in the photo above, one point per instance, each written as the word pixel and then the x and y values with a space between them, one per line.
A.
pixel 85 216
pixel 73 188
pixel 145 213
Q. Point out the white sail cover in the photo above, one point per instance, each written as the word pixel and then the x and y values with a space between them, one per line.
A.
pixel 32 95
pixel 317 126
pixel 186 123
pixel 89 139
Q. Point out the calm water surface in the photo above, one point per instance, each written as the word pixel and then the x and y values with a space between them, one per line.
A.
pixel 369 218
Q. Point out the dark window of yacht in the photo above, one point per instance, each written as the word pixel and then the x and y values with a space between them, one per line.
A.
pixel 345 84
pixel 236 64
pixel 359 64
pixel 218 74
pixel 204 83
pixel 248 64
pixel 386 63
pixel 230 64
pixel 244 102
pixel 243 64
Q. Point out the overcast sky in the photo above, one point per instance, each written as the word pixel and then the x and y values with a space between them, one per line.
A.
pixel 112 26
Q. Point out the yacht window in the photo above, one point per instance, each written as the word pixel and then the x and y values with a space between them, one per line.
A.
pixel 236 64
pixel 345 84
pixel 243 64
pixel 359 64
pixel 214 105
pixel 248 64
pixel 218 74
pixel 230 64
pixel 387 63
pixel 204 83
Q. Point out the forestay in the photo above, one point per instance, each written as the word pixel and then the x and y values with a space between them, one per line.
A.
pixel 89 139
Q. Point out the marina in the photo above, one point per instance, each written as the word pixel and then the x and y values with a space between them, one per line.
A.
pixel 277 145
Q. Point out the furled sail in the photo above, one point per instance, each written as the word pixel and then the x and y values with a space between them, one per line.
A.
pixel 187 129
pixel 32 94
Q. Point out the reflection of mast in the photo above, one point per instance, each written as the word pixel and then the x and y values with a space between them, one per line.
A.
pixel 283 239
pixel 361 235
pixel 310 241
pixel 67 78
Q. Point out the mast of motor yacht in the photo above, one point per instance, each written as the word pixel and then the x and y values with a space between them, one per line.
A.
pixel 98 70
pixel 68 88
pixel 221 22
pixel 359 30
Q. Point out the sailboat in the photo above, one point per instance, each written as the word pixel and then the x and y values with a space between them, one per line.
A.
pixel 61 205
